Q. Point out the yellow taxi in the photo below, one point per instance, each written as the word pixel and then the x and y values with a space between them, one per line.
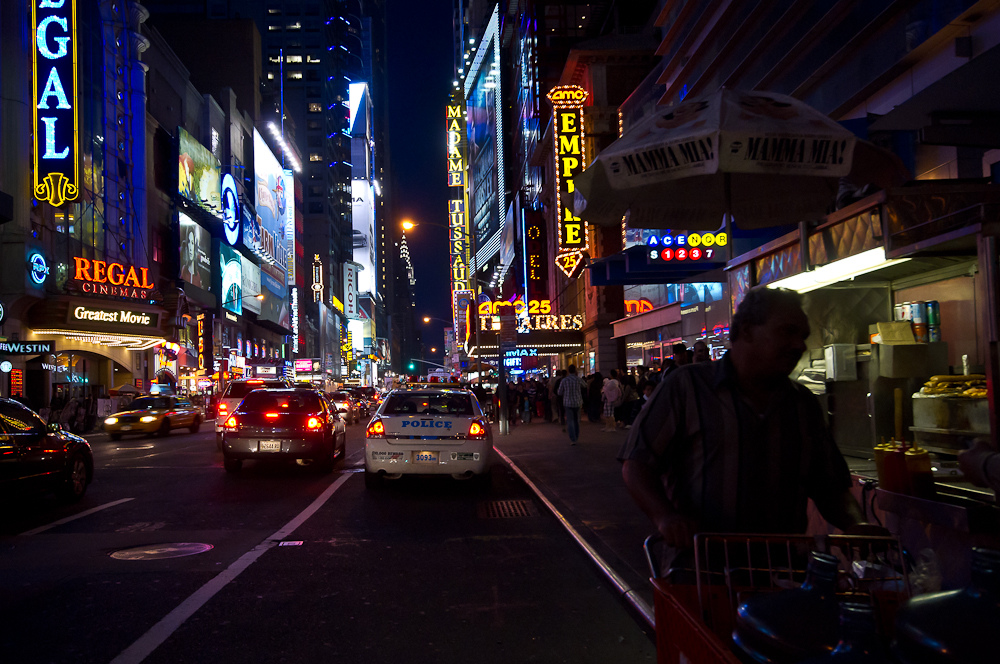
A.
pixel 154 415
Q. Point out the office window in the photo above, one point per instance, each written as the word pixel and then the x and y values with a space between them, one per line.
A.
pixel 293 58
pixel 294 26
pixel 270 75
pixel 313 59
pixel 295 75
pixel 273 11
pixel 315 108
pixel 274 28
pixel 315 156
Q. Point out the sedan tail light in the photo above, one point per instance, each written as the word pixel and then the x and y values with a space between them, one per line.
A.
pixel 477 430
pixel 314 422
pixel 376 429
pixel 222 410
pixel 231 424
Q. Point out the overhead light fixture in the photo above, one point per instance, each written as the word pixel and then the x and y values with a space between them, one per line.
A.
pixel 842 270
pixel 285 148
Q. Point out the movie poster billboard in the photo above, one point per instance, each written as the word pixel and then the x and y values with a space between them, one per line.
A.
pixel 484 133
pixel 251 285
pixel 264 233
pixel 196 253
pixel 199 174
pixel 231 278
pixel 363 215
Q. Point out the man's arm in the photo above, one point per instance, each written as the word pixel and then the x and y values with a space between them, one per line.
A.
pixel 646 488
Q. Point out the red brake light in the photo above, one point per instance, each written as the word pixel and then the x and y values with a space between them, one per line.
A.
pixel 231 423
pixel 314 423
pixel 477 430
pixel 255 382
pixel 376 429
pixel 222 409
pixel 270 416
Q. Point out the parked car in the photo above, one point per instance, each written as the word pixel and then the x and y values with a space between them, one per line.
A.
pixel 290 423
pixel 154 415
pixel 428 431
pixel 38 457
pixel 234 394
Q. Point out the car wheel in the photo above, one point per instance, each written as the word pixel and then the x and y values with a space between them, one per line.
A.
pixel 164 429
pixel 232 465
pixel 115 436
pixel 373 481
pixel 195 425
pixel 75 484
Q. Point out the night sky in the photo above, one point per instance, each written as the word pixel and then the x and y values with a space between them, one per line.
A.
pixel 419 60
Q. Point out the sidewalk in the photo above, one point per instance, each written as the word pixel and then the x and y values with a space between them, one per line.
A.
pixel 583 483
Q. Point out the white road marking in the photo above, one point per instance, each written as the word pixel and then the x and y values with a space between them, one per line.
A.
pixel 161 631
pixel 42 529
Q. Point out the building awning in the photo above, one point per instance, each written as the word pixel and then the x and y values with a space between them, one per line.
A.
pixel 633 267
pixel 548 342
pixel 648 320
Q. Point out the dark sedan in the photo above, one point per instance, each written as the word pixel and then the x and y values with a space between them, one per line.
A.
pixel 37 457
pixel 297 424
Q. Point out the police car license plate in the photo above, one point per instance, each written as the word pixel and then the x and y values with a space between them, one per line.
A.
pixel 425 457
pixel 269 445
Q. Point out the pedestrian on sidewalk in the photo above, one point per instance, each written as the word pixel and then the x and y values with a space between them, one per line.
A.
pixel 558 413
pixel 571 392
pixel 593 397
pixel 611 396
pixel 736 445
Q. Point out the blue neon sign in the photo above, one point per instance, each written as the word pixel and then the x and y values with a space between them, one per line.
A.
pixel 230 210
pixel 38 268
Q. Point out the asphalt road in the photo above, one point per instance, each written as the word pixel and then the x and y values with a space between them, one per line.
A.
pixel 285 563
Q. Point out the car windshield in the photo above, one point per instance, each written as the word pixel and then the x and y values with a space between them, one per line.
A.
pixel 428 403
pixel 149 403
pixel 280 401
pixel 240 390
pixel 339 396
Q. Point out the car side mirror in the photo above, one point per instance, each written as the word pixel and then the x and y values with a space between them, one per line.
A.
pixel 53 427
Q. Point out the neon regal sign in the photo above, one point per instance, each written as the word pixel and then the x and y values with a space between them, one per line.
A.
pixel 112 279
pixel 54 106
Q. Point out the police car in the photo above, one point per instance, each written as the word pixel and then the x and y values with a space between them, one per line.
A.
pixel 428 430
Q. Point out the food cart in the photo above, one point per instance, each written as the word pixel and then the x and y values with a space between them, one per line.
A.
pixel 861 269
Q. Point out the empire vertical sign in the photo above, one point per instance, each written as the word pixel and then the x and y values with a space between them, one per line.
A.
pixel 571 158
pixel 54 106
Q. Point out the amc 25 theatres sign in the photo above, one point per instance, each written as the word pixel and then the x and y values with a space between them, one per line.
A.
pixel 54 102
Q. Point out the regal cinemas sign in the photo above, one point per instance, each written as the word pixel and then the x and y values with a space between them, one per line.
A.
pixel 96 277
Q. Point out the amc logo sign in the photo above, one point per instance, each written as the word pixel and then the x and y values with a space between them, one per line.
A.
pixel 568 95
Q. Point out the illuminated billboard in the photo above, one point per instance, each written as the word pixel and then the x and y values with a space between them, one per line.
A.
pixel 363 214
pixel 196 253
pixel 485 135
pixel 570 159
pixel 198 173
pixel 251 285
pixel 55 149
pixel 231 274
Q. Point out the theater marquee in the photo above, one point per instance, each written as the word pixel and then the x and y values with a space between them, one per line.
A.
pixel 96 277
pixel 54 102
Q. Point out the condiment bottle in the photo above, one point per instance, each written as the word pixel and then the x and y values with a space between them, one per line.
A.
pixel 860 642
pixel 956 625
pixel 894 465
pixel 791 625
pixel 919 475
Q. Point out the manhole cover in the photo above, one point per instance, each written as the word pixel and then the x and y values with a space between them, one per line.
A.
pixel 506 509
pixel 159 551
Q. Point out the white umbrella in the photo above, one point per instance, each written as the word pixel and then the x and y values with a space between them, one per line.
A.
pixel 760 158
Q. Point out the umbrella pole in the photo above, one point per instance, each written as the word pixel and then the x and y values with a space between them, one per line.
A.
pixel 727 197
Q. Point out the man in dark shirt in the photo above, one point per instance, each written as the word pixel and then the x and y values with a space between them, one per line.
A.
pixel 735 445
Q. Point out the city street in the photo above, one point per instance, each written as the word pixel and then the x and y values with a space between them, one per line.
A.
pixel 302 566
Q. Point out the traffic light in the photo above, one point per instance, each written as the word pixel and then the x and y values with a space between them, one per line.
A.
pixel 412 366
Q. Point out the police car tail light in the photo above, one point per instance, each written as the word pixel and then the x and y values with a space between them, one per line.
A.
pixel 477 429
pixel 376 429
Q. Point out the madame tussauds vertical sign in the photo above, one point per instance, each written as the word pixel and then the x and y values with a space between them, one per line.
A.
pixel 54 107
